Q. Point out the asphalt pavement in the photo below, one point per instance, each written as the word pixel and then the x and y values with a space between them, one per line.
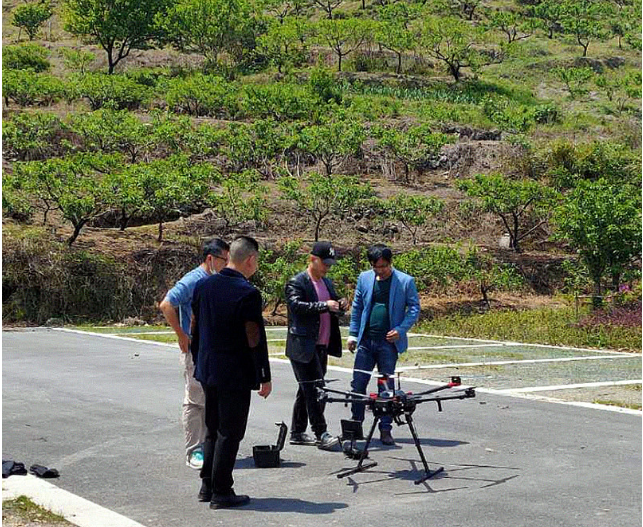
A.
pixel 106 414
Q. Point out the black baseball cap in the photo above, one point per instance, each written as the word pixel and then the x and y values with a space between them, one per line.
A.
pixel 325 251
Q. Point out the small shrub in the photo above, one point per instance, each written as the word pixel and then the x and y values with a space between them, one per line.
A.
pixel 547 113
pixel 200 95
pixel 27 88
pixel 116 92
pixel 30 136
pixel 25 57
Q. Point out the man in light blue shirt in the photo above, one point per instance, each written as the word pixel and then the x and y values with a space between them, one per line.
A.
pixel 385 306
pixel 177 309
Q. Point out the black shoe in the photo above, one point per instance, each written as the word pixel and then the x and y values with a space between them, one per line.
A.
pixel 225 501
pixel 205 494
pixel 386 438
pixel 301 438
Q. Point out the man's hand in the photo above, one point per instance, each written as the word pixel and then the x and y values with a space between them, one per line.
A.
pixel 184 342
pixel 333 305
pixel 392 336
pixel 343 304
pixel 352 344
pixel 265 388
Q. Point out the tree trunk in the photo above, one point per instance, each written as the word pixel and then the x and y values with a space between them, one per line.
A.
pixel 123 221
pixel 160 238
pixel 77 227
pixel 399 63
pixel 339 65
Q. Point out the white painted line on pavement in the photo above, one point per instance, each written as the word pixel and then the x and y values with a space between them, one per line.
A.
pixel 570 386
pixel 75 509
pixel 505 362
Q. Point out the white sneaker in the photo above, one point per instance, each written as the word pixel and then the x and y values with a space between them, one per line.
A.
pixel 195 459
pixel 327 441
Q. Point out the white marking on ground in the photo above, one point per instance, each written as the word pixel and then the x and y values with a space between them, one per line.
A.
pixel 505 362
pixel 570 386
pixel 73 508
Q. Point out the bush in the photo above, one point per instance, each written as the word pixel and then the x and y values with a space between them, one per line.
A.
pixel 282 102
pixel 547 114
pixel 31 136
pixel 25 57
pixel 31 17
pixel 116 92
pixel 202 95
pixel 27 88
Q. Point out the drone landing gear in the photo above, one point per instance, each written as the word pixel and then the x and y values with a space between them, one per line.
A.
pixel 361 466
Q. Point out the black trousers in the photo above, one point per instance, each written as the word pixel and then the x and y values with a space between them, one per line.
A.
pixel 226 417
pixel 310 375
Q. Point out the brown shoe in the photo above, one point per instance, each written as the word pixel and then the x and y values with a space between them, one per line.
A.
pixel 386 438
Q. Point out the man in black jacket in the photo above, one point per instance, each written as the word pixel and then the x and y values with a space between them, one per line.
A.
pixel 313 334
pixel 231 357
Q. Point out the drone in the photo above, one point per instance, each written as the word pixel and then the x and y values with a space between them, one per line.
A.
pixel 397 404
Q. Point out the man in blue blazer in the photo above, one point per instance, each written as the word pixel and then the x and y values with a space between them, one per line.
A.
pixel 385 306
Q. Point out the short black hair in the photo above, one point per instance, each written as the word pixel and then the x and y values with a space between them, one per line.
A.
pixel 242 247
pixel 214 247
pixel 377 251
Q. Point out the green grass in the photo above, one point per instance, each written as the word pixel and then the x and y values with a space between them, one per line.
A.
pixel 541 326
pixel 22 508
pixel 609 402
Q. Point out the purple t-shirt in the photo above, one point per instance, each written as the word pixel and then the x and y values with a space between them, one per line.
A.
pixel 324 318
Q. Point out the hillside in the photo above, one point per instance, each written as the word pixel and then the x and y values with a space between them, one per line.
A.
pixel 436 132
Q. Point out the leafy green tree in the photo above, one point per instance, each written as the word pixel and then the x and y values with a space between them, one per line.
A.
pixel 30 136
pixel 455 43
pixel 77 59
pixel 575 79
pixel 74 186
pixel 27 88
pixel 413 211
pixel 332 142
pixel 328 6
pixel 464 9
pixel 549 15
pixel 513 24
pixel 108 91
pixel 489 275
pixel 620 89
pixel 585 20
pixel 207 27
pixel 602 221
pixel 343 36
pixel 320 198
pixel 284 43
pixel 118 26
pixel 25 57
pixel 394 32
pixel 514 201
pixel 274 271
pixel 283 9
pixel 240 197
pixel 31 17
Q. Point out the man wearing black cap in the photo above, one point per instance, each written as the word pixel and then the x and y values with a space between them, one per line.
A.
pixel 313 334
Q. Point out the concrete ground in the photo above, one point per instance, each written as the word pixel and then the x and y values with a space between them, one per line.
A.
pixel 105 413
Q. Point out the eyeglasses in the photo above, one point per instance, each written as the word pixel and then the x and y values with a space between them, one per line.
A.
pixel 220 258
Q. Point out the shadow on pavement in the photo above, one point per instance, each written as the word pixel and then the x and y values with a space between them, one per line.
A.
pixel 293 505
pixel 248 462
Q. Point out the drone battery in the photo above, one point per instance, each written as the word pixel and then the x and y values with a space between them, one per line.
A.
pixel 267 456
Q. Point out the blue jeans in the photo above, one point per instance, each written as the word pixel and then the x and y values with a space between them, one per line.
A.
pixel 369 354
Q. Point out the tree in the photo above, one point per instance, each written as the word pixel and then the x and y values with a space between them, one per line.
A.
pixel 328 6
pixel 207 27
pixel 512 24
pixel 413 211
pixel 586 21
pixel 575 79
pixel 274 270
pixel 240 197
pixel 602 221
pixel 394 32
pixel 75 186
pixel 512 200
pixel 455 43
pixel 619 88
pixel 77 60
pixel 549 15
pixel 322 197
pixel 489 275
pixel 31 17
pixel 343 36
pixel 284 43
pixel 332 142
pixel 464 9
pixel 118 26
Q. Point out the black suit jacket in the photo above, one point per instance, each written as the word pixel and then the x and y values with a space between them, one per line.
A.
pixel 304 309
pixel 222 304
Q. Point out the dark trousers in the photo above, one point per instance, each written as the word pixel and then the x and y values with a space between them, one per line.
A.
pixel 310 376
pixel 226 416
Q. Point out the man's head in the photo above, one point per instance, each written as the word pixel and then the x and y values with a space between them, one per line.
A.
pixel 380 257
pixel 215 255
pixel 244 255
pixel 322 256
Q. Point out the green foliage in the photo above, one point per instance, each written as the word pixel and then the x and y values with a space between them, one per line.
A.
pixel 200 95
pixel 602 221
pixel 620 89
pixel 27 88
pixel 515 118
pixel 343 36
pixel 275 268
pixel 413 211
pixel 30 57
pixel 31 136
pixel 116 92
pixel 321 197
pixel 575 79
pixel 77 60
pixel 277 101
pixel 394 32
pixel 548 113
pixel 31 17
pixel 117 26
pixel 239 198
pixel 285 43
pixel 513 24
pixel 74 186
pixel 514 201
pixel 586 21
pixel 323 85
